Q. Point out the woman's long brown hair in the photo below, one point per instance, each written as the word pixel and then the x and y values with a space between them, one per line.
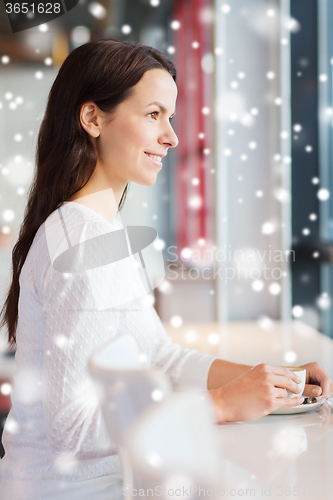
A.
pixel 104 72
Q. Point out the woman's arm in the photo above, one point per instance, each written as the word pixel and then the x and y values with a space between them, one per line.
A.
pixel 186 368
pixel 222 372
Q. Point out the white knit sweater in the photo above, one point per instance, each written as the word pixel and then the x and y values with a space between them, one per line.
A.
pixel 55 428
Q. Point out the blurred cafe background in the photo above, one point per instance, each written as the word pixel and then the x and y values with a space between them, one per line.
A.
pixel 243 205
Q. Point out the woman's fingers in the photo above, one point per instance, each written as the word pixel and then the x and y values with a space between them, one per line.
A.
pixel 327 387
pixel 285 382
pixel 290 402
pixel 312 390
pixel 280 370
pixel 316 375
pixel 280 393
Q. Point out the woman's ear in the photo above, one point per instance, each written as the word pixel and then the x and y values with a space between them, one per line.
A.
pixel 90 119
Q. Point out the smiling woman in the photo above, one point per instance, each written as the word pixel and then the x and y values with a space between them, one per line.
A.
pixel 107 122
pixel 93 82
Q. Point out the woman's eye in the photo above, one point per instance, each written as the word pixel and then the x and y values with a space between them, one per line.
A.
pixel 153 113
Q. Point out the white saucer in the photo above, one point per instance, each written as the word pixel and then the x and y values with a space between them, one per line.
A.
pixel 300 408
pixel 330 402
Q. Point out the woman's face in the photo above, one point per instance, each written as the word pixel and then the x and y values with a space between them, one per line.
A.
pixel 139 129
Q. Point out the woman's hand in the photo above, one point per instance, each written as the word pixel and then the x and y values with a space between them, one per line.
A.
pixel 318 383
pixel 256 393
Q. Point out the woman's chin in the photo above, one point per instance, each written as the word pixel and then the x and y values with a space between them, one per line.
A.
pixel 146 181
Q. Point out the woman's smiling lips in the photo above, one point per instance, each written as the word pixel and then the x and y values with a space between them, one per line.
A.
pixel 156 159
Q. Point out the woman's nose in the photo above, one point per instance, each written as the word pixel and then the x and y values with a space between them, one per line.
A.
pixel 175 140
pixel 169 138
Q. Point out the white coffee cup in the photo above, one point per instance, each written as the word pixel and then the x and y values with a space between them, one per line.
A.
pixel 301 373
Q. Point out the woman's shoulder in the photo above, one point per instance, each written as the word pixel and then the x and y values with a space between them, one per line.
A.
pixel 69 225
pixel 73 213
pixel 72 224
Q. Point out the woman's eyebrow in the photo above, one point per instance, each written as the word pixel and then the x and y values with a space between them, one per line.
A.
pixel 160 105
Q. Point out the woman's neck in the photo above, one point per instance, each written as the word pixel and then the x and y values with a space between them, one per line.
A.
pixel 103 202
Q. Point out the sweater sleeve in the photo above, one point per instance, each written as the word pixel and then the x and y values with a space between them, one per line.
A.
pixel 187 368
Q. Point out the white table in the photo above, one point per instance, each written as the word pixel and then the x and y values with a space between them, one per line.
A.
pixel 277 456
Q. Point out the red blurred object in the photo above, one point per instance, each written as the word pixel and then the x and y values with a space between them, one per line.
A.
pixel 196 91
pixel 5 400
